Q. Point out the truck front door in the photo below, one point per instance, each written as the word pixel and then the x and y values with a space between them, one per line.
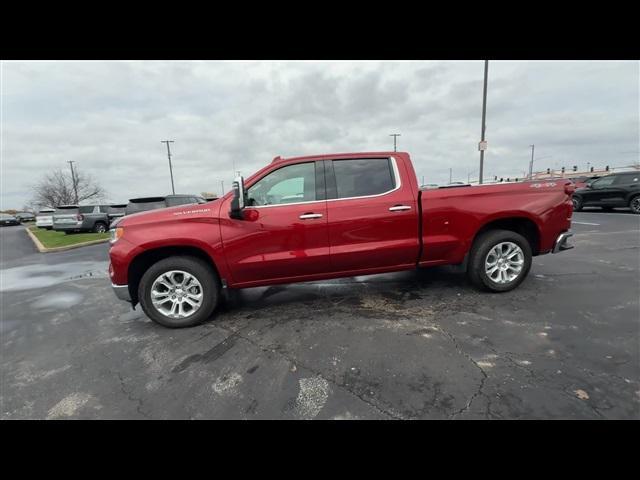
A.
pixel 284 232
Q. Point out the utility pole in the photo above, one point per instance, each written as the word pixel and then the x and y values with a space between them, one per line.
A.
pixel 531 162
pixel 222 184
pixel 450 175
pixel 484 116
pixel 395 137
pixel 170 168
pixel 73 180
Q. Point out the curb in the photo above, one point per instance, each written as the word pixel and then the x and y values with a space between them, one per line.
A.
pixel 42 249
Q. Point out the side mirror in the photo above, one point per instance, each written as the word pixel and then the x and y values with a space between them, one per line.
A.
pixel 237 202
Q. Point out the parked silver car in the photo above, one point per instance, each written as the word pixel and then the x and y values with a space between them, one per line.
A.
pixel 81 218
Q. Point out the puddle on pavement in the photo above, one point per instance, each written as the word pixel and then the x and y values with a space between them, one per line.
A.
pixel 40 276
pixel 61 300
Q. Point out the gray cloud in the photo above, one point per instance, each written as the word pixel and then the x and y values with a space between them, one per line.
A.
pixel 110 117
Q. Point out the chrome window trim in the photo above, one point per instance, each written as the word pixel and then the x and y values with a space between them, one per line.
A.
pixel 396 174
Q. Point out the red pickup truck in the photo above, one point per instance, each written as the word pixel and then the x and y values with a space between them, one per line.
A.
pixel 329 216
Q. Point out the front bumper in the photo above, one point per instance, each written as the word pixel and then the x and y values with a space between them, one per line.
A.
pixel 122 292
pixel 561 242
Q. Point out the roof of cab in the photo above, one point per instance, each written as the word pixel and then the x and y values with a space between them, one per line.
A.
pixel 328 156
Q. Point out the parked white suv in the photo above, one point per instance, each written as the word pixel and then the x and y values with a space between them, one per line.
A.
pixel 44 218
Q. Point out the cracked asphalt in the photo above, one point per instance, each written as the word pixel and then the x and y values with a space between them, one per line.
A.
pixel 411 345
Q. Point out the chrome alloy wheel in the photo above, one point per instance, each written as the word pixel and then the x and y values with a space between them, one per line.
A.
pixel 635 205
pixel 504 262
pixel 176 294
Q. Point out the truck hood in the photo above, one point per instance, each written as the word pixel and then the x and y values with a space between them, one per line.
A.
pixel 195 211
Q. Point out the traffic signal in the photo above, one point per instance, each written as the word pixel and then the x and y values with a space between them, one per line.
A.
pixel 575 168
pixel 495 178
pixel 607 168
pixel 562 169
pixel 592 169
pixel 548 171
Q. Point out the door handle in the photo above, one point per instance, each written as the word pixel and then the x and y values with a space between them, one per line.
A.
pixel 310 215
pixel 399 208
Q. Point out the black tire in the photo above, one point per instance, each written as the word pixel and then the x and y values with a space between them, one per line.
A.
pixel 194 266
pixel 634 204
pixel 100 227
pixel 479 251
pixel 577 203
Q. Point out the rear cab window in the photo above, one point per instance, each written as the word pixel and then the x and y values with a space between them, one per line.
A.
pixel 87 209
pixel 363 177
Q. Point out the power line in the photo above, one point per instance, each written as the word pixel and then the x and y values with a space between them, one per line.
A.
pixel 170 168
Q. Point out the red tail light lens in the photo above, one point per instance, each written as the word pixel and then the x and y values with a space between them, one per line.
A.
pixel 569 188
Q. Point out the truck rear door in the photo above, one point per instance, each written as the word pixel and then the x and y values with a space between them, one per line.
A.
pixel 373 217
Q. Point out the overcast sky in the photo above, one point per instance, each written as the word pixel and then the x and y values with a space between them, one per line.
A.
pixel 110 117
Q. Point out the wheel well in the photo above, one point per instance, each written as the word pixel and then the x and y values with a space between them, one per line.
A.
pixel 525 227
pixel 142 262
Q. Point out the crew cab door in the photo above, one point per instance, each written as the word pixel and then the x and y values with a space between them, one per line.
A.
pixel 284 232
pixel 373 217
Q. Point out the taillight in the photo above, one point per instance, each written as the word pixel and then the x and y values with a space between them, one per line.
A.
pixel 79 217
pixel 569 188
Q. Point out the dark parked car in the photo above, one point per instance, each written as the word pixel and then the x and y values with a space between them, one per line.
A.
pixel 6 219
pixel 81 218
pixel 136 205
pixel 25 217
pixel 615 190
pixel 116 211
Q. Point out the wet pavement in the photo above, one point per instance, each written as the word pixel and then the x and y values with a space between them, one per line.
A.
pixel 424 344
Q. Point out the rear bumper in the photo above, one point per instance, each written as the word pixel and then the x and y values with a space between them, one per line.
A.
pixel 561 242
pixel 122 292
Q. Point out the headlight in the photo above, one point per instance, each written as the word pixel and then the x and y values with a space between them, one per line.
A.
pixel 115 234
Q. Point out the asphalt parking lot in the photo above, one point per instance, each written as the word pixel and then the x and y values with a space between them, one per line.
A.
pixel 413 345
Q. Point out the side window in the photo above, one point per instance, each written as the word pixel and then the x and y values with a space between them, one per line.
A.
pixel 88 209
pixel 174 201
pixel 626 179
pixel 358 178
pixel 603 182
pixel 290 184
pixel 104 208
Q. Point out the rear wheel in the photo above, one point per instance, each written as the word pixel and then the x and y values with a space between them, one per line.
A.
pixel 99 227
pixel 577 204
pixel 499 260
pixel 634 204
pixel 179 291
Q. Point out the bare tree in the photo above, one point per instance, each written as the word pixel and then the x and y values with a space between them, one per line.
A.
pixel 57 188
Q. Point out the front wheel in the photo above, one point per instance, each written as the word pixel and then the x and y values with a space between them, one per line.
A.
pixel 634 204
pixel 179 291
pixel 499 260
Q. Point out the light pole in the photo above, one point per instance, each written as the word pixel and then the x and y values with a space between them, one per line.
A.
pixel 170 168
pixel 395 137
pixel 484 116
pixel 531 162
pixel 73 179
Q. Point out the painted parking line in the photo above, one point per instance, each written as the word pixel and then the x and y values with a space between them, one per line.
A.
pixel 584 223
